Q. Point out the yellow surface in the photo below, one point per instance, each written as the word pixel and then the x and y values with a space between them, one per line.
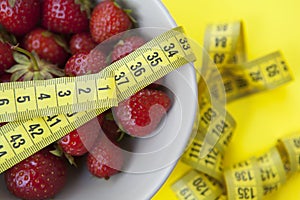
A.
pixel 261 118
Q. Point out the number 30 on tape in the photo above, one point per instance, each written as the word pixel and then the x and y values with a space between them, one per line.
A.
pixel 72 101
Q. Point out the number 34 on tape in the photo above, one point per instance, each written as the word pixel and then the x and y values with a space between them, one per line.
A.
pixel 36 107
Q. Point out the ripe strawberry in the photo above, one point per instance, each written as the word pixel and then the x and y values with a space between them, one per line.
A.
pixel 79 141
pixel 30 67
pixel 5 78
pixel 66 16
pixel 126 46
pixel 6 53
pixel 40 176
pixel 82 42
pixel 108 19
pixel 48 46
pixel 6 57
pixel 19 16
pixel 105 160
pixel 141 113
pixel 85 63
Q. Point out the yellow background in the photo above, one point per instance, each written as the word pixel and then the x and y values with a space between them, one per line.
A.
pixel 261 118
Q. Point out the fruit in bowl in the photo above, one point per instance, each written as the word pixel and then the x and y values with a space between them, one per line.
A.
pixel 144 162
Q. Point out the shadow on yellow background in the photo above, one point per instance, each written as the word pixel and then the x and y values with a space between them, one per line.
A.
pixel 269 25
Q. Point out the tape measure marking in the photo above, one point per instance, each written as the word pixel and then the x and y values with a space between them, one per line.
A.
pixel 255 177
pixel 20 139
pixel 211 123
pixel 196 186
pixel 246 180
pixel 225 45
pixel 25 100
pixel 271 170
pixel 221 41
pixel 243 181
pixel 216 126
pixel 259 75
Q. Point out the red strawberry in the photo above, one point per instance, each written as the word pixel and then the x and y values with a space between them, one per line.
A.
pixel 85 63
pixel 66 16
pixel 108 19
pixel 30 67
pixel 126 46
pixel 82 42
pixel 19 16
pixel 79 141
pixel 6 57
pixel 6 53
pixel 4 78
pixel 141 113
pixel 105 160
pixel 47 46
pixel 40 176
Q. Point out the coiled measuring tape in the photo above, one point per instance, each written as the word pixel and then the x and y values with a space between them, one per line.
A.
pixel 212 163
pixel 225 45
pixel 48 110
pixel 254 178
pixel 262 74
pixel 195 185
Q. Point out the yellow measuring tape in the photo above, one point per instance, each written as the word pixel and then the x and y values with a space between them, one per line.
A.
pixel 265 73
pixel 290 148
pixel 212 163
pixel 26 100
pixel 48 110
pixel 251 179
pixel 196 185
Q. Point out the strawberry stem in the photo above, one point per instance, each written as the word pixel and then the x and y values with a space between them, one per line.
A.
pixel 35 65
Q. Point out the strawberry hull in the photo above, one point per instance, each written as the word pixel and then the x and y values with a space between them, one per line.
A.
pixel 136 164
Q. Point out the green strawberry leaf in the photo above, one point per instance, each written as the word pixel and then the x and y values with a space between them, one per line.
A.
pixel 17 75
pixel 85 6
pixel 129 13
pixel 122 135
pixel 38 76
pixel 21 58
pixel 11 3
pixel 55 71
pixel 70 159
pixel 15 68
pixel 46 33
pixel 61 42
pixel 46 75
pixel 56 152
pixel 5 36
pixel 28 76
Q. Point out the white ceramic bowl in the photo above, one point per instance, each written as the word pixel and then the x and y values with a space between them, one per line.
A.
pixel 137 183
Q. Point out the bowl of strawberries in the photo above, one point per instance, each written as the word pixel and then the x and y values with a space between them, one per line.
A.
pixel 129 150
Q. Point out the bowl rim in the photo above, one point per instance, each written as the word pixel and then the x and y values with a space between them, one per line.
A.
pixel 166 171
pixel 170 168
